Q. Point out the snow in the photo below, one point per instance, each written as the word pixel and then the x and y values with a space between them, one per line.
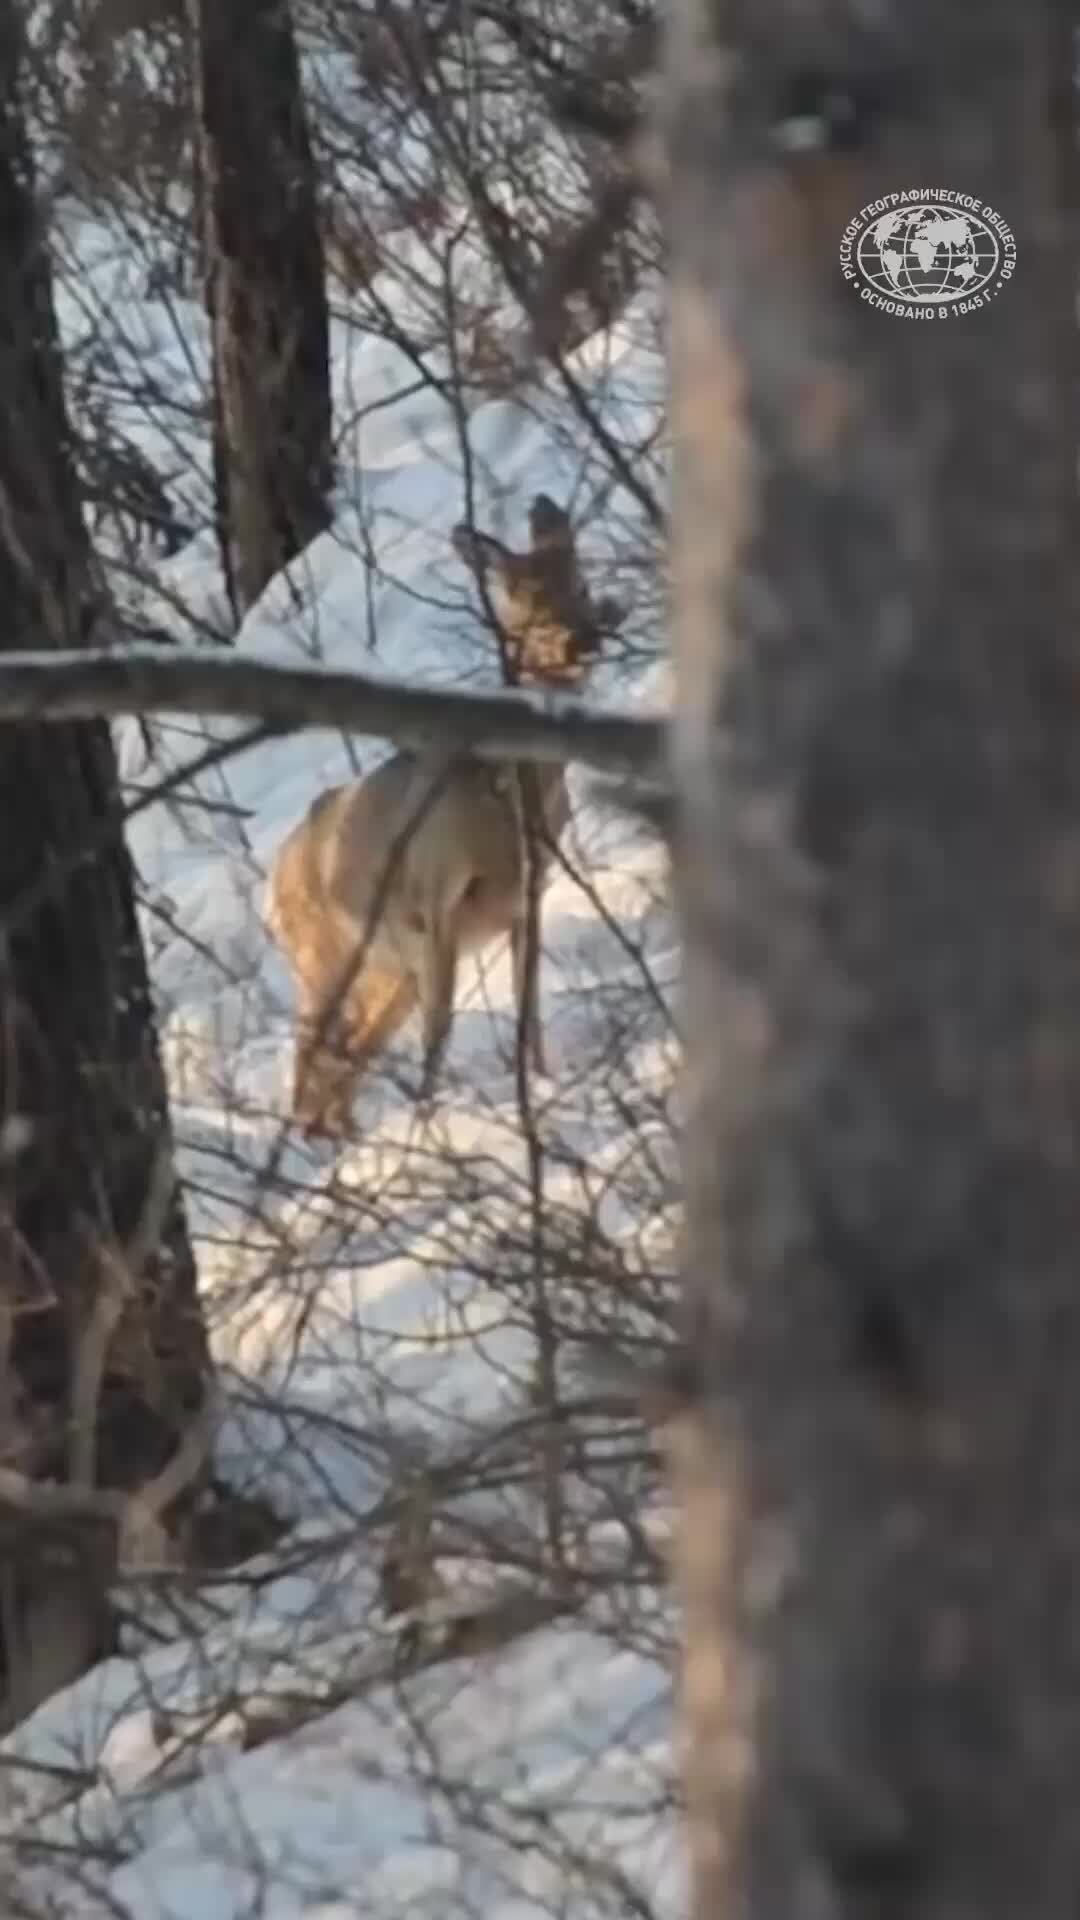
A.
pixel 372 1308
pixel 343 1816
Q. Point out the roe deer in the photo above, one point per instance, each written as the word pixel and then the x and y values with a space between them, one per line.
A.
pixel 551 626
pixel 387 881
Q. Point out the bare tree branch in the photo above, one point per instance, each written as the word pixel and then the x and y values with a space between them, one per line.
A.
pixel 497 726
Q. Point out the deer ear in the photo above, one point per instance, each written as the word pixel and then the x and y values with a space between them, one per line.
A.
pixel 548 522
pixel 478 550
pixel 464 541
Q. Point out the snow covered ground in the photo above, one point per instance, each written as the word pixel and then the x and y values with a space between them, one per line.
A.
pixel 258 1749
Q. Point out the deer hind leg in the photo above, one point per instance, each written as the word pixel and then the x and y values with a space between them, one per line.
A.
pixel 438 986
pixel 341 1031
pixel 526 975
pixel 376 1008
pixel 322 1077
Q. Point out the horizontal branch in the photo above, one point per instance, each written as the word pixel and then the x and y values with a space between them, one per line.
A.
pixel 517 724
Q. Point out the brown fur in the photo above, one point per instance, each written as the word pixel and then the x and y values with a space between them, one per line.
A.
pixel 387 882
pixel 552 627
pixel 355 892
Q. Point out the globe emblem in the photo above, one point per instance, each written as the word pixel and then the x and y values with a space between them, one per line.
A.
pixel 927 253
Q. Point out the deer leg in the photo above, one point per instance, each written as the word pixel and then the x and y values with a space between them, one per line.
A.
pixel 337 1052
pixel 324 1072
pixel 438 984
pixel 322 1079
pixel 375 1012
pixel 526 975
pixel 321 1091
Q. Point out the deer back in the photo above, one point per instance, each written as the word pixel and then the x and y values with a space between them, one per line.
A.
pixel 409 847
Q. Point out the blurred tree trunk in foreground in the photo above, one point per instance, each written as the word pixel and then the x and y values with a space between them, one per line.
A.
pixel 266 293
pixel 102 1349
pixel 878 750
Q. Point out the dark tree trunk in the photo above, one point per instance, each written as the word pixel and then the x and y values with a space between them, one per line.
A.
pixel 266 292
pixel 93 1248
pixel 878 748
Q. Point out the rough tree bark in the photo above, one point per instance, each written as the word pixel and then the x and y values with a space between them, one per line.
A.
pixel 878 749
pixel 265 289
pixel 102 1349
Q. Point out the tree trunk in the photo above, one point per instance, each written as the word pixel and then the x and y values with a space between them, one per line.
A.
pixel 265 290
pixel 878 751
pixel 94 1255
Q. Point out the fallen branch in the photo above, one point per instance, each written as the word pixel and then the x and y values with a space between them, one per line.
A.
pixel 523 725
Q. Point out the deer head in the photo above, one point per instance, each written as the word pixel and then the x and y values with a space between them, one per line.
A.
pixel 552 628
